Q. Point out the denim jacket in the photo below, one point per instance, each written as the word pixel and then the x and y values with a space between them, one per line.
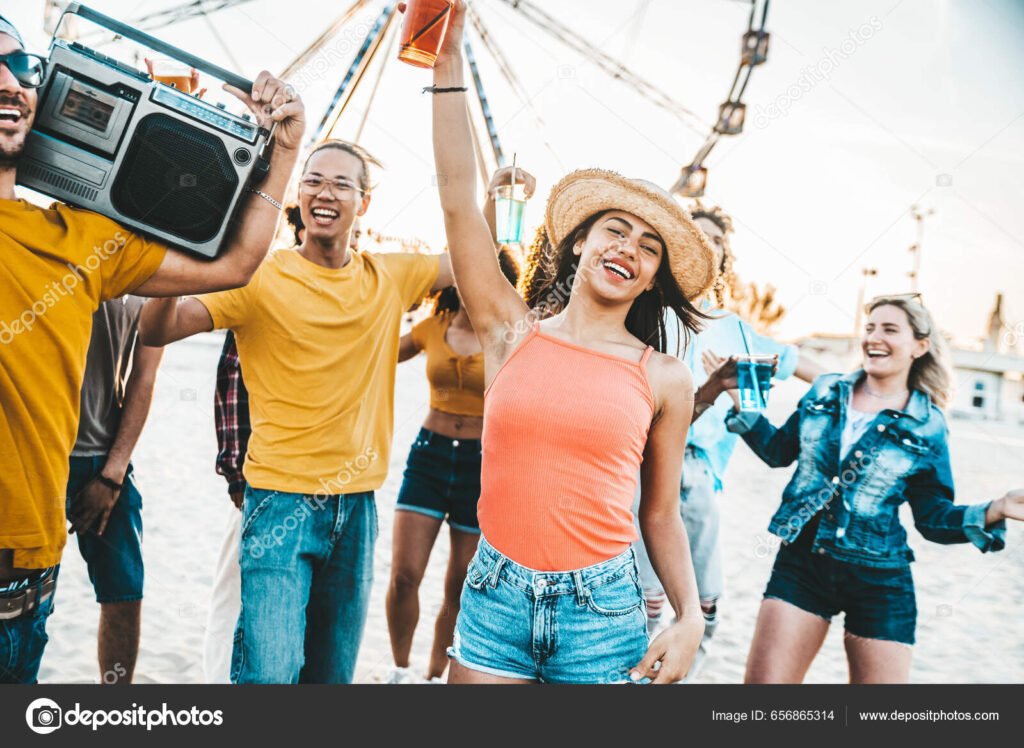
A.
pixel 903 456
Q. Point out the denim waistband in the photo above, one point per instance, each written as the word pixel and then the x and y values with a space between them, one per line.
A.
pixel 435 439
pixel 545 583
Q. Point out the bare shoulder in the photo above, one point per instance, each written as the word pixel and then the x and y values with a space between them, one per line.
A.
pixel 671 380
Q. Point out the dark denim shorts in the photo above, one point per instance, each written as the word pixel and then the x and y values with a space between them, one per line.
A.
pixel 114 558
pixel 878 603
pixel 442 480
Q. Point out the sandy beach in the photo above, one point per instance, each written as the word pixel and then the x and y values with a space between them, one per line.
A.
pixel 971 606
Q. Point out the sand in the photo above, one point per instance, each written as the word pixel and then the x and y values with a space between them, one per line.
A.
pixel 971 606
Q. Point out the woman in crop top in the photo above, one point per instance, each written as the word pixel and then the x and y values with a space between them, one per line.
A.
pixel 578 395
pixel 442 477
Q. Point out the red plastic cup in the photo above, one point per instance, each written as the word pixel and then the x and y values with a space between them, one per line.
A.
pixel 423 31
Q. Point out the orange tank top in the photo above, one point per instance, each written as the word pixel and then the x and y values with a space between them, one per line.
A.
pixel 456 382
pixel 563 437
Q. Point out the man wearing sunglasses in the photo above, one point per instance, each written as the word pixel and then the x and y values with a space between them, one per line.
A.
pixel 57 266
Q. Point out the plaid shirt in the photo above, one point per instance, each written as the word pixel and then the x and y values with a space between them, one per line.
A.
pixel 231 414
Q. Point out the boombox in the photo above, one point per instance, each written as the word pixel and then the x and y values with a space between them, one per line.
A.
pixel 108 138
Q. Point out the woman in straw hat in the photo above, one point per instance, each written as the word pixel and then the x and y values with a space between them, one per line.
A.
pixel 864 444
pixel 577 405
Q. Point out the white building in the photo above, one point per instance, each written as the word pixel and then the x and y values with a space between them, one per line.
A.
pixel 990 382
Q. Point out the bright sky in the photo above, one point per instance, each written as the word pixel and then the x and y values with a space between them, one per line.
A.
pixel 887 103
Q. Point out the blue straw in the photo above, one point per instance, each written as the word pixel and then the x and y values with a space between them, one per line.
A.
pixel 746 344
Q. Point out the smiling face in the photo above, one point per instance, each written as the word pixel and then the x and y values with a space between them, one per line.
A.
pixel 889 344
pixel 326 216
pixel 17 108
pixel 622 253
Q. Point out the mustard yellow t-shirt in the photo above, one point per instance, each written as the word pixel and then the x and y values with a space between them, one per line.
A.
pixel 318 349
pixel 56 266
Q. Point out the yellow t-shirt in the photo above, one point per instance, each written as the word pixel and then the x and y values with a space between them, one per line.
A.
pixel 56 266
pixel 318 349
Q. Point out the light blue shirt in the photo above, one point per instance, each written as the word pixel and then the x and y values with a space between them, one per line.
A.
pixel 721 335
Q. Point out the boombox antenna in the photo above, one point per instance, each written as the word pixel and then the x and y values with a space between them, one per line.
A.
pixel 141 37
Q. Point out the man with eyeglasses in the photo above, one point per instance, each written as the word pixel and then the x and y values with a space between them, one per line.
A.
pixel 317 332
pixel 57 266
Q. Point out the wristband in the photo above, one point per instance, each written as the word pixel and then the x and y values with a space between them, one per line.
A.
pixel 109 483
pixel 452 89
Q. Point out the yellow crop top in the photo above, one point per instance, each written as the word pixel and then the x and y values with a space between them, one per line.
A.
pixel 456 382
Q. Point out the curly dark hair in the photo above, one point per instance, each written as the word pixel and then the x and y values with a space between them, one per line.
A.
pixel 550 273
pixel 293 215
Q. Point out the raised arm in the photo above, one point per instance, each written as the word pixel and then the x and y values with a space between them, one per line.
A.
pixel 663 531
pixel 271 101
pixel 490 299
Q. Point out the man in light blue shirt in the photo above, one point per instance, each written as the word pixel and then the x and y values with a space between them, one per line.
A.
pixel 709 446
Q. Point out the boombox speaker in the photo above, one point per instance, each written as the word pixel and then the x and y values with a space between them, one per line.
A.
pixel 108 138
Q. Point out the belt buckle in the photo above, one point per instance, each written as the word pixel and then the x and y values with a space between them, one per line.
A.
pixel 14 606
pixel 27 601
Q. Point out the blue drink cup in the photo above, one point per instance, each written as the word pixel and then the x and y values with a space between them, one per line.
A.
pixel 509 209
pixel 754 375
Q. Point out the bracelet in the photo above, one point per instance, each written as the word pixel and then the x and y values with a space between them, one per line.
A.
pixel 266 197
pixel 109 483
pixel 452 89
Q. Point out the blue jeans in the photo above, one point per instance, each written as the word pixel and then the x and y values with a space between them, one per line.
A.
pixel 582 626
pixel 307 569
pixel 23 639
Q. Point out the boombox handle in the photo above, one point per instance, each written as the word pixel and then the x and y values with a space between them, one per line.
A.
pixel 156 45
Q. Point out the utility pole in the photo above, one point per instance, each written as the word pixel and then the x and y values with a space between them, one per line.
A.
pixel 915 249
pixel 866 273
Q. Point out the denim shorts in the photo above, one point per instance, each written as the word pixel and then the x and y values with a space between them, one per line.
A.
pixel 114 558
pixel 583 626
pixel 878 603
pixel 442 479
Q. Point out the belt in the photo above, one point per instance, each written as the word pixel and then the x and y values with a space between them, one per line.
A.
pixel 26 602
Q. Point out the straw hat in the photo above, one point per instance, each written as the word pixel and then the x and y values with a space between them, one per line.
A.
pixel 583 193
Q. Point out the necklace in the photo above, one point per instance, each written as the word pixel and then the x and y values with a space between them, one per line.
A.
pixel 867 391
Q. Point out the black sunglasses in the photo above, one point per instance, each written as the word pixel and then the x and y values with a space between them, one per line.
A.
pixel 29 70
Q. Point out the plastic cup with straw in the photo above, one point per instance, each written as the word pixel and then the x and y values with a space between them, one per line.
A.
pixel 510 209
pixel 754 377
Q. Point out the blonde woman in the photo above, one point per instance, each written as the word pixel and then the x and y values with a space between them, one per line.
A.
pixel 864 444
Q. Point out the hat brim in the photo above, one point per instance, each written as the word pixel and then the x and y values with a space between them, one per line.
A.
pixel 586 192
